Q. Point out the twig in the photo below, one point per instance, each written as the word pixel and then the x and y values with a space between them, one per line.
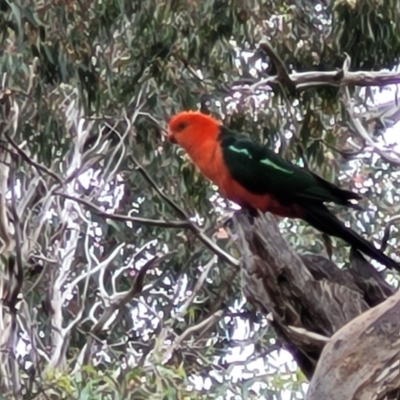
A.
pixel 362 132
pixel 386 232
pixel 119 300
pixel 205 324
pixel 345 68
pixel 347 154
pixel 197 287
pixel 181 213
pixel 125 218
pixel 16 278
pixel 282 72
pixel 198 232
pixel 16 272
pixel 192 71
pixel 6 240
pixel 29 160
pixel 183 224
pixel 104 264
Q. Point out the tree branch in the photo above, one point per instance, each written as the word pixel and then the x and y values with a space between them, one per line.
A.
pixel 312 79
pixel 183 224
pixel 126 218
pixel 307 296
pixel 32 162
pixel 283 74
pixel 181 213
pixel 362 132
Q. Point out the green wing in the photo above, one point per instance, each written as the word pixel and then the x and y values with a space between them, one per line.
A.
pixel 262 171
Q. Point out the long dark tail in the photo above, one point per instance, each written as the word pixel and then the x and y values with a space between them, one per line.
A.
pixel 322 219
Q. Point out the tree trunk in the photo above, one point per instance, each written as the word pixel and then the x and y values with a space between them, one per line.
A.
pixel 308 299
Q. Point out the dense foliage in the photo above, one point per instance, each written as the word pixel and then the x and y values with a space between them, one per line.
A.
pixel 110 282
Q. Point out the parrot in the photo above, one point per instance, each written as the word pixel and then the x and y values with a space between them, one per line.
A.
pixel 259 180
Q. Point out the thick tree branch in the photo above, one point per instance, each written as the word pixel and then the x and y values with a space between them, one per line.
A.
pixel 312 79
pixel 308 297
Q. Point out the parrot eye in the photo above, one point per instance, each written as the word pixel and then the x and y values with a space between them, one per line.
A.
pixel 181 126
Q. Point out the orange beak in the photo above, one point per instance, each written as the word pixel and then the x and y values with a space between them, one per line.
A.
pixel 171 138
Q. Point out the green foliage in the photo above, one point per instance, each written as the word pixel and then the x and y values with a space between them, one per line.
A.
pixel 367 30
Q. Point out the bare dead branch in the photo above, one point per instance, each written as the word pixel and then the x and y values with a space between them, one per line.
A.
pixel 311 80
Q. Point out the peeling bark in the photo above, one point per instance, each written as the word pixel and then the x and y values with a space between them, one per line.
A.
pixel 362 359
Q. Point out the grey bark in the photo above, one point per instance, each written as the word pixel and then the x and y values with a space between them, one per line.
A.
pixel 309 299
